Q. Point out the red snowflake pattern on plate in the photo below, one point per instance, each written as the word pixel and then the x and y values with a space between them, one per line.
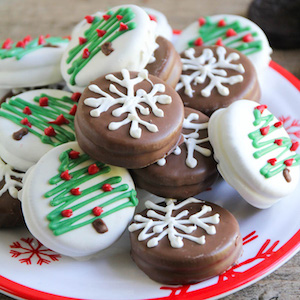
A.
pixel 291 126
pixel 30 248
pixel 262 255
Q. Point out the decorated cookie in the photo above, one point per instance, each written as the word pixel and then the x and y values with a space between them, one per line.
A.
pixel 31 62
pixel 34 122
pixel 129 119
pixel 254 152
pixel 231 31
pixel 10 206
pixel 78 206
pixel 166 62
pixel 215 76
pixel 189 170
pixel 163 27
pixel 123 37
pixel 184 242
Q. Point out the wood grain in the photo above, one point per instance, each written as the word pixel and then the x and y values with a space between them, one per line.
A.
pixel 57 17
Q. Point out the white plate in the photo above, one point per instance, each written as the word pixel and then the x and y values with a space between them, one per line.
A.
pixel 271 237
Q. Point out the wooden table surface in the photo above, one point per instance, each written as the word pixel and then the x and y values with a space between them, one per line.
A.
pixel 57 17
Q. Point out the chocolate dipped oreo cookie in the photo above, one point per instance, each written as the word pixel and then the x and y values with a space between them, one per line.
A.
pixel 184 242
pixel 129 119
pixel 166 62
pixel 189 169
pixel 215 76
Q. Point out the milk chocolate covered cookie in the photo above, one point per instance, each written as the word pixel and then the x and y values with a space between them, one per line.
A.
pixel 184 242
pixel 215 76
pixel 189 169
pixel 129 119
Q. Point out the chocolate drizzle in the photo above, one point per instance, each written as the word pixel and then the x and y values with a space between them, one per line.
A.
pixel 100 226
pixel 287 175
pixel 20 133
pixel 107 48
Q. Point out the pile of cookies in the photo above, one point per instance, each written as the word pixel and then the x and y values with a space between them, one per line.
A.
pixel 118 104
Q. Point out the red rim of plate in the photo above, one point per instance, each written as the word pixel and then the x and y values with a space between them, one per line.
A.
pixel 15 289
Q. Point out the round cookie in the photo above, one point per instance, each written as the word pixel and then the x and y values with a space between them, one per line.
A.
pixel 280 21
pixel 184 242
pixel 124 37
pixel 163 27
pixel 129 119
pixel 34 122
pixel 231 31
pixel 79 206
pixel 215 76
pixel 186 172
pixel 10 206
pixel 31 62
pixel 255 155
pixel 167 63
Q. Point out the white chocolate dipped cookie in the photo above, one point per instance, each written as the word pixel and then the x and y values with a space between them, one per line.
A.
pixel 31 62
pixel 254 152
pixel 79 206
pixel 231 31
pixel 123 37
pixel 34 122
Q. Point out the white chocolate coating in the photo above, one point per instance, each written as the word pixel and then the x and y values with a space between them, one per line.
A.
pixel 83 241
pixel 132 51
pixel 259 59
pixel 228 130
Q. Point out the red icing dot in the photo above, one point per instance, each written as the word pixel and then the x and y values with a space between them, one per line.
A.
pixel 20 44
pixel 201 21
pixel 119 17
pixel 60 120
pixel 68 37
pixel 85 53
pixel 294 146
pixel 65 175
pixel 73 110
pixel 7 44
pixel 106 17
pixel 43 101
pixel 93 169
pixel 289 162
pixel 123 26
pixel 27 110
pixel 230 32
pixel 97 211
pixel 27 39
pixel 219 42
pixel 82 40
pixel 107 187
pixel 152 18
pixel 89 19
pixel 198 42
pixel 75 191
pixel 41 40
pixel 75 96
pixel 74 154
pixel 49 131
pixel 261 108
pixel 47 36
pixel 26 122
pixel 272 161
pixel 67 213
pixel 221 23
pixel 278 142
pixel 100 32
pixel 278 124
pixel 248 38
pixel 264 130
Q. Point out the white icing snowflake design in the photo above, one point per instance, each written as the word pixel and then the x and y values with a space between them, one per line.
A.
pixel 191 141
pixel 131 103
pixel 166 225
pixel 208 66
pixel 11 185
